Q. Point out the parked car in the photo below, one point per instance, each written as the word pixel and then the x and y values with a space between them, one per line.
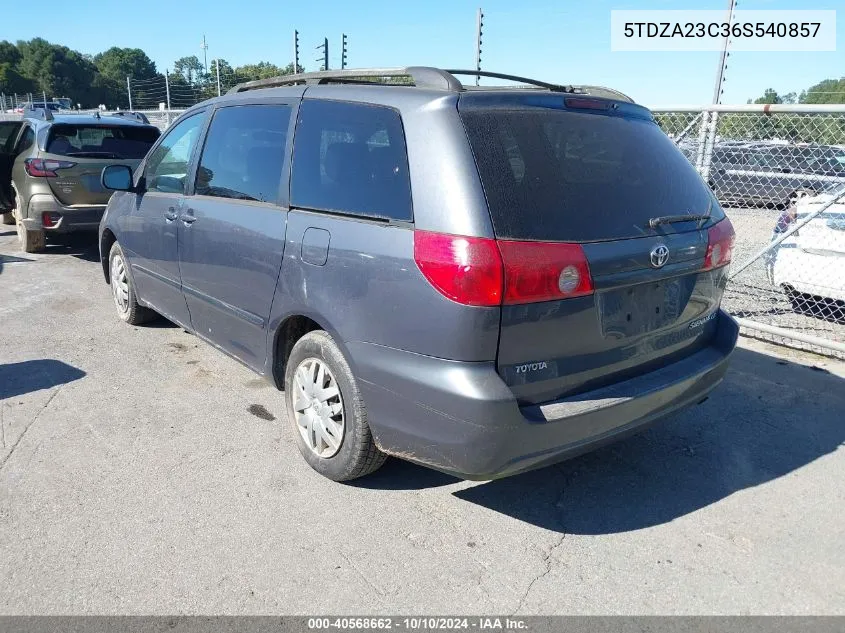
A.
pixel 809 265
pixel 760 173
pixel 480 281
pixel 50 167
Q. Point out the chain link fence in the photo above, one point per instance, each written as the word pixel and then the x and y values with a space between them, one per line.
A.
pixel 779 172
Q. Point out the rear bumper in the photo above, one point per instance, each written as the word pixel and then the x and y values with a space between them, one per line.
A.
pixel 461 418
pixel 65 219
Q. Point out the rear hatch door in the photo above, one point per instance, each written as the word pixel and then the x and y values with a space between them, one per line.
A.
pixel 75 155
pixel 600 174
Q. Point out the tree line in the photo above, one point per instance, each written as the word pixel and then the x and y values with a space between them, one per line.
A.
pixel 41 68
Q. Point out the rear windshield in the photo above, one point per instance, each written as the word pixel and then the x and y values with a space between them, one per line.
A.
pixel 570 176
pixel 101 141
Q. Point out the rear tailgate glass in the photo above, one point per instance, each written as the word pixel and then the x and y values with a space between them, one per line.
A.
pixel 121 142
pixel 564 175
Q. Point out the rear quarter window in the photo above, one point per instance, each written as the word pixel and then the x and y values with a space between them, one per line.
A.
pixel 351 158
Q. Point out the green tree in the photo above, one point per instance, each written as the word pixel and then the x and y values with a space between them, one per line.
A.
pixel 190 68
pixel 827 91
pixel 119 63
pixel 770 96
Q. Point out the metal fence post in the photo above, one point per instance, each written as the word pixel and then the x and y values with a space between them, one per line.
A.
pixel 708 147
pixel 129 91
pixel 702 139
pixel 217 64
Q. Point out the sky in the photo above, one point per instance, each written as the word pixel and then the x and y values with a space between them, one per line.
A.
pixel 563 41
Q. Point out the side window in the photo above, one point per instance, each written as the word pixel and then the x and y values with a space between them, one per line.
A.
pixel 351 158
pixel 26 140
pixel 167 166
pixel 244 152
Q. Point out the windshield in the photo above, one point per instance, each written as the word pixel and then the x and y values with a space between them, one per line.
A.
pixel 101 141
pixel 571 176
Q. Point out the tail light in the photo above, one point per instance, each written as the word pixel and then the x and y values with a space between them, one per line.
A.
pixel 465 269
pixel 720 245
pixel 486 272
pixel 40 167
pixel 544 271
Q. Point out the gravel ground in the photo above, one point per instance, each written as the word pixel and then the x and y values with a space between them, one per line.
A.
pixel 143 472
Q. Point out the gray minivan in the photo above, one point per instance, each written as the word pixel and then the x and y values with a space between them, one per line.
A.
pixel 483 281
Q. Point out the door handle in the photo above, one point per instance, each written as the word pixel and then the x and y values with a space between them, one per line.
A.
pixel 170 215
pixel 188 217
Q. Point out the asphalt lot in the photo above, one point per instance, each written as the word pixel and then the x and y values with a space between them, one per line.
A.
pixel 139 473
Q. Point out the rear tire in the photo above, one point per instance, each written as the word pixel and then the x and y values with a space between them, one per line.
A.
pixel 123 290
pixel 316 367
pixel 30 240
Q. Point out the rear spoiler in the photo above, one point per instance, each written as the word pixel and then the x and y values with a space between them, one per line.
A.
pixel 138 116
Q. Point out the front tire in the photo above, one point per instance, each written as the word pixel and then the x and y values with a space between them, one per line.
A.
pixel 123 290
pixel 8 218
pixel 327 412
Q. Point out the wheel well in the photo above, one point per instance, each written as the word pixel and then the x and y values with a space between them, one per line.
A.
pixel 293 329
pixel 105 246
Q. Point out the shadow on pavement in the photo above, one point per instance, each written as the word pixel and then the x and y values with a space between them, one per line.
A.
pixel 397 474
pixel 32 375
pixel 768 418
pixel 80 245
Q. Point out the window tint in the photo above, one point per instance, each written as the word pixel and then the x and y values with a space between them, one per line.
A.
pixel 243 154
pixel 101 141
pixel 26 140
pixel 167 166
pixel 567 176
pixel 351 158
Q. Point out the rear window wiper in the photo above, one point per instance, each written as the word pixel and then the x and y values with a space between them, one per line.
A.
pixel 653 223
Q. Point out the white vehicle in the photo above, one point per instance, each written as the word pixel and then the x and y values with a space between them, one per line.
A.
pixel 809 265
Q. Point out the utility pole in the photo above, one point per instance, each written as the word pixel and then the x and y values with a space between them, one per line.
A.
pixel 720 75
pixel 204 48
pixel 295 52
pixel 479 26
pixel 325 47
pixel 343 52
pixel 129 91
pixel 167 86
pixel 217 64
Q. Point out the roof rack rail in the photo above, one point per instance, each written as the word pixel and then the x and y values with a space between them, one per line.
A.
pixel 40 113
pixel 422 76
pixel 524 80
pixel 138 116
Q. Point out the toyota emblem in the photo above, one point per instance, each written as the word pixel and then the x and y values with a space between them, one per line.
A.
pixel 659 255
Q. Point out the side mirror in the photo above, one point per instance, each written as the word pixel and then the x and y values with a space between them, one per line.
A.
pixel 117 177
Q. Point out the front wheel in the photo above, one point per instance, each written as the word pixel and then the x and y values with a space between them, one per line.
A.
pixel 123 290
pixel 327 411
